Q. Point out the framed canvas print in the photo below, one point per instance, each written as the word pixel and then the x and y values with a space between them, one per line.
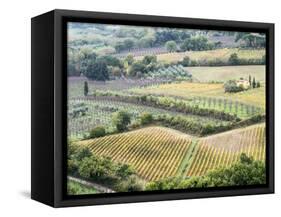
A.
pixel 134 108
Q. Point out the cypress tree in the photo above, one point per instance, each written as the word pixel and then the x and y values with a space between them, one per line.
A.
pixel 86 88
pixel 254 83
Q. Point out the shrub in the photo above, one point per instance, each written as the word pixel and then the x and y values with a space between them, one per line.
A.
pixel 146 118
pixel 231 87
pixel 137 66
pixel 121 120
pixel 233 59
pixel 193 63
pixel 133 183
pixel 185 61
pixel 97 132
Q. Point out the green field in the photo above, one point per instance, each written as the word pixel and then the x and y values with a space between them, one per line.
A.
pixel 225 73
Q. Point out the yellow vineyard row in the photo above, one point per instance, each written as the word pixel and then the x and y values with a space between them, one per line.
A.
pixel 154 152
pixel 225 149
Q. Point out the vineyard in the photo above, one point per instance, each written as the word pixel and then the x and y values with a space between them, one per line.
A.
pixel 204 92
pixel 160 107
pixel 141 52
pixel 157 152
pixel 154 152
pixel 222 150
pixel 92 113
pixel 175 72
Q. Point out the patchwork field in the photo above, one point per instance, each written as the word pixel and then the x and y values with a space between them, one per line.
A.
pixel 158 152
pixel 154 108
pixel 222 54
pixel 225 73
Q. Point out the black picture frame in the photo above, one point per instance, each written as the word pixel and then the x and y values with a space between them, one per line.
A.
pixel 49 106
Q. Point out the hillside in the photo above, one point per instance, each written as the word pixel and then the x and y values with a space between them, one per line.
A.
pixel 154 152
pixel 223 149
pixel 158 152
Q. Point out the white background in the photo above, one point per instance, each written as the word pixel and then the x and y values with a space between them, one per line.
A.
pixel 15 107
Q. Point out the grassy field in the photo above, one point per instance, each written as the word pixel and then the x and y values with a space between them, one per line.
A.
pixel 154 152
pixel 222 54
pixel 224 73
pixel 75 188
pixel 255 97
pixel 223 149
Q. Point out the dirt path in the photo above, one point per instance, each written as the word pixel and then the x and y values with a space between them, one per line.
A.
pixel 98 187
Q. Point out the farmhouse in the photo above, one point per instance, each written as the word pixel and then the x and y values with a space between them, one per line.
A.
pixel 243 83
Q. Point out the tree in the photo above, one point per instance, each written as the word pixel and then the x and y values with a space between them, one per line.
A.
pixel 97 132
pixel 231 87
pixel 124 171
pixel 119 46
pixel 254 83
pixel 97 71
pixel 233 59
pixel 218 44
pixel 137 66
pixel 258 84
pixel 121 120
pixel 82 153
pixel 185 61
pixel 90 168
pixel 250 80
pixel 149 59
pixel 129 59
pixel 171 46
pixel 86 88
pixel 128 44
pixel 253 40
pixel 147 41
pixel 111 61
pixel 197 43
pixel 86 57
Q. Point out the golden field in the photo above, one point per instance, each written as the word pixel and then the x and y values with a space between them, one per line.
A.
pixel 224 73
pixel 222 54
pixel 188 90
